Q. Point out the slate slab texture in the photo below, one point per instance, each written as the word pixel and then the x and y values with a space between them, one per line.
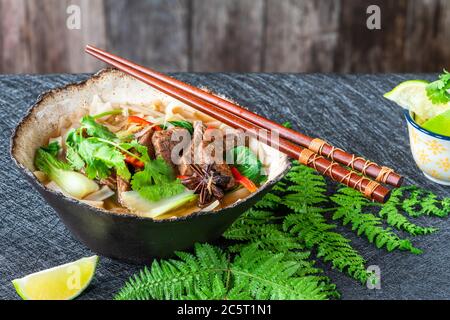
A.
pixel 348 111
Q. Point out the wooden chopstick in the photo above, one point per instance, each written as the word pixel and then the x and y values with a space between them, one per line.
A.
pixel 368 168
pixel 368 187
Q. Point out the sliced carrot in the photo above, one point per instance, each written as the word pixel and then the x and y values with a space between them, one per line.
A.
pixel 244 181
pixel 138 120
pixel 143 122
pixel 134 162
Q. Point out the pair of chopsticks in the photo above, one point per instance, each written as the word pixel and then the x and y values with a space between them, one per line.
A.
pixel 315 153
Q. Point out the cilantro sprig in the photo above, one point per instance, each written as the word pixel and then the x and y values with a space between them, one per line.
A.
pixel 439 91
pixel 156 181
pixel 96 150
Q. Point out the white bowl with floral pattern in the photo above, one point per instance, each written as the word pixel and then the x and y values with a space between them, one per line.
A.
pixel 431 151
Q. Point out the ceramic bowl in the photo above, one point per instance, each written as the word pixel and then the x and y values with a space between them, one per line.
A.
pixel 431 151
pixel 121 236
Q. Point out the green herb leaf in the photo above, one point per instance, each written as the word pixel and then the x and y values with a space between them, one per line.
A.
pixel 287 124
pixel 248 164
pixel 95 129
pixel 101 157
pixel 99 153
pixel 438 91
pixel 53 148
pixel 72 141
pixel 156 181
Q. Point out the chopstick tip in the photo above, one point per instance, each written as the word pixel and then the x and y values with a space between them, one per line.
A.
pixel 89 47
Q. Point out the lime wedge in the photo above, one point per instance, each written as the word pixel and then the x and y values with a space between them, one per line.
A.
pixel 412 95
pixel 64 282
pixel 439 124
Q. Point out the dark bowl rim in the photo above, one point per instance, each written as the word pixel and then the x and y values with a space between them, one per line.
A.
pixel 100 211
pixel 423 130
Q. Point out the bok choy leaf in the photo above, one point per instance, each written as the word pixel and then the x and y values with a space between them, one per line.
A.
pixel 74 183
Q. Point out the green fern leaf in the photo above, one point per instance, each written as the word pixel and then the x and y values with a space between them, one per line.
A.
pixel 421 202
pixel 390 211
pixel 350 210
pixel 254 274
pixel 311 228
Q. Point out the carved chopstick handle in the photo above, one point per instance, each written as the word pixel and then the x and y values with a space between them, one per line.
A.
pixel 366 167
pixel 371 189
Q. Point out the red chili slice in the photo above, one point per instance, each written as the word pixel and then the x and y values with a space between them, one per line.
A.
pixel 143 122
pixel 244 181
pixel 134 162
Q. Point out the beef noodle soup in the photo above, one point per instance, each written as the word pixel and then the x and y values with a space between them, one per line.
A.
pixel 159 160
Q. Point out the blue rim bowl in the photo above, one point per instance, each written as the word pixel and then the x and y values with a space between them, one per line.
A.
pixel 423 130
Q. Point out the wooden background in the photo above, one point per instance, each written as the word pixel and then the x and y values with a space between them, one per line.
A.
pixel 228 35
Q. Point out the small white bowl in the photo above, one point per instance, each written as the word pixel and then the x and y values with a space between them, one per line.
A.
pixel 431 151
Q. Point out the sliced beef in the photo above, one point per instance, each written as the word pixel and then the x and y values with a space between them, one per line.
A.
pixel 164 143
pixel 195 150
pixel 203 152
pixel 122 186
pixel 146 140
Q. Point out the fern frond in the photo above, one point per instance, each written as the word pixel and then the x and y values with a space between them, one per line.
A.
pixel 350 210
pixel 254 274
pixel 177 279
pixel 390 211
pixel 255 227
pixel 272 276
pixel 307 187
pixel 310 227
pixel 270 201
pixel 306 194
pixel 420 202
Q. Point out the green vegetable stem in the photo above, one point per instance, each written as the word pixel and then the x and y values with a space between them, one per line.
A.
pixel 74 183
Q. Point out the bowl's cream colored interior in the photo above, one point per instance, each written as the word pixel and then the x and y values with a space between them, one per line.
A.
pixel 67 105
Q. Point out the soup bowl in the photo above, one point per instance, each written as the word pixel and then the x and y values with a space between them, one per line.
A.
pixel 121 236
pixel 431 151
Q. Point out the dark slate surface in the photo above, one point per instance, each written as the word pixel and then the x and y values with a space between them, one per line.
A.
pixel 348 111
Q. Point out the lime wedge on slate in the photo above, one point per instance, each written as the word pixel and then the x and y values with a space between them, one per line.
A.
pixel 439 124
pixel 412 95
pixel 64 282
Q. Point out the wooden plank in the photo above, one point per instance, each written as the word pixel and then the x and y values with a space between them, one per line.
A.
pixel 93 31
pixel 363 50
pixel 153 33
pixel 36 38
pixel 232 35
pixel 15 57
pixel 301 36
pixel 1 36
pixel 46 27
pixel 227 35
pixel 428 35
